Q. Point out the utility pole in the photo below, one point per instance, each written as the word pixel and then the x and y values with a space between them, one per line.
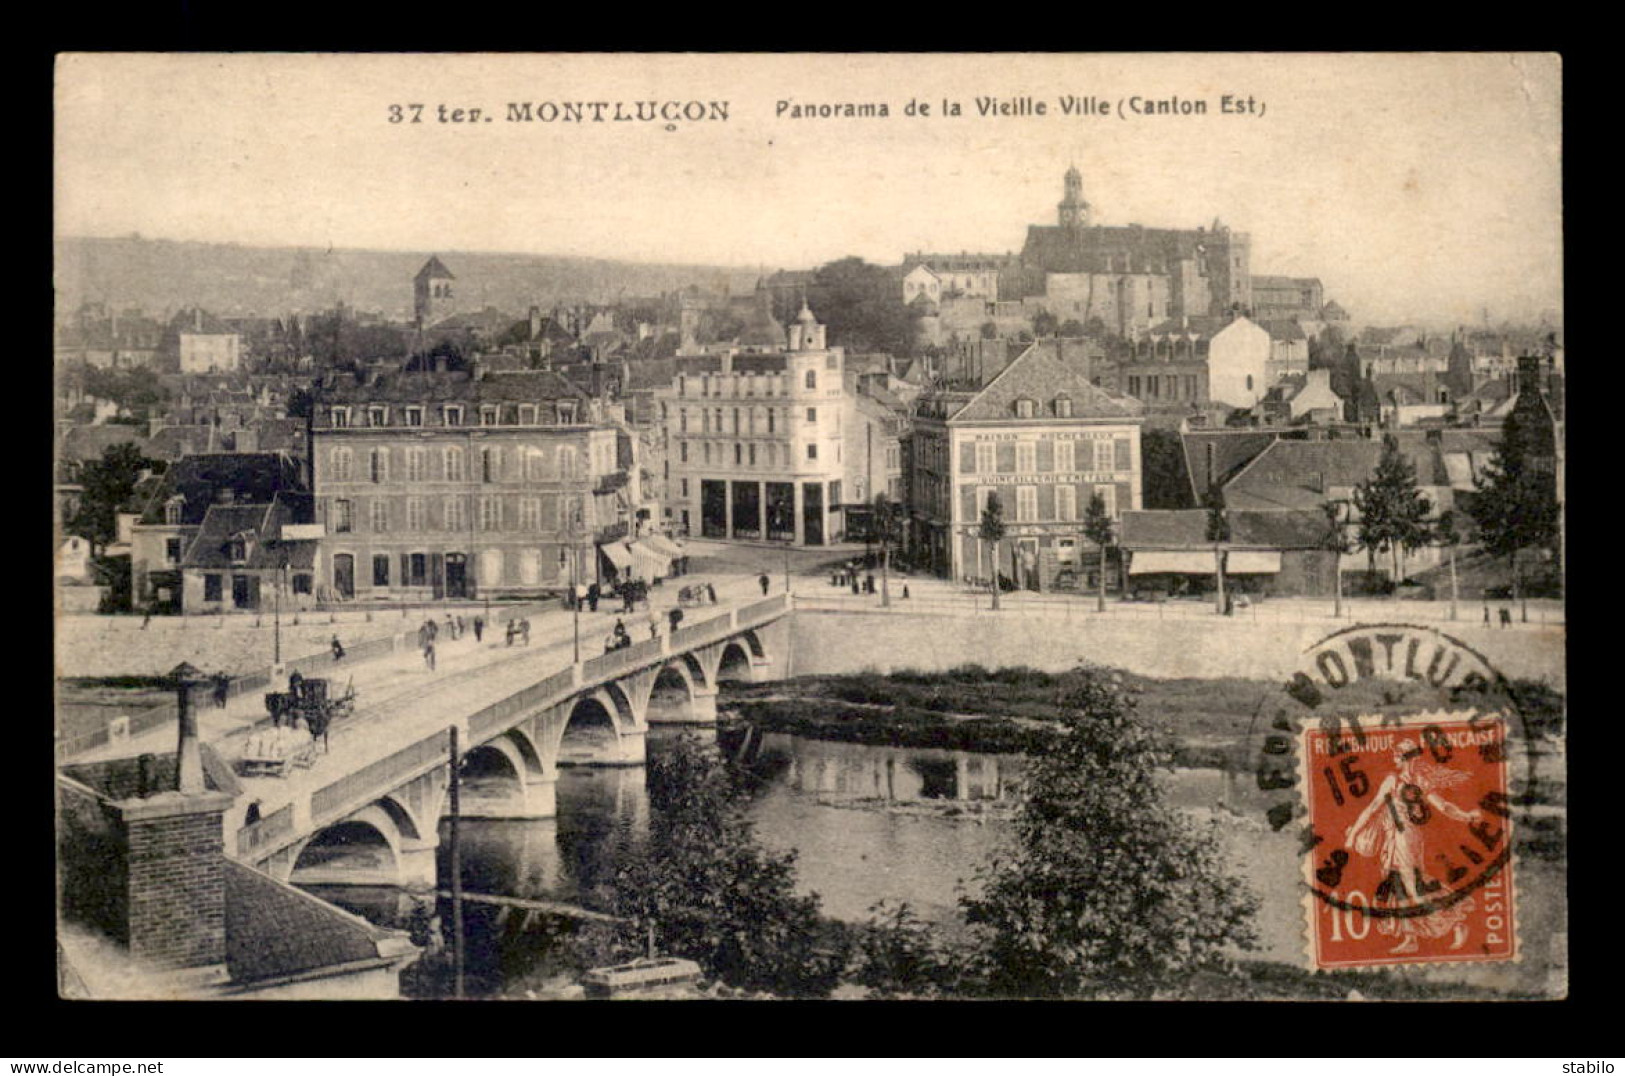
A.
pixel 456 877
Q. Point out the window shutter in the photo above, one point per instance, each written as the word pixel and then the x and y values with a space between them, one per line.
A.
pixel 967 458
pixel 1121 454
pixel 1046 455
pixel 967 506
pixel 1046 502
pixel 406 569
pixel 1125 497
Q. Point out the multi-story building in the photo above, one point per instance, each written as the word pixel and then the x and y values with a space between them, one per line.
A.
pixel 463 484
pixel 754 441
pixel 207 345
pixel 1041 438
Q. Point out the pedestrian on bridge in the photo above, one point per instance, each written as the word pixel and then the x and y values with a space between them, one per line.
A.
pixel 1506 617
pixel 594 592
pixel 761 581
pixel 654 622
pixel 676 616
pixel 511 632
pixel 479 628
pixel 428 654
pixel 524 629
pixel 338 649
pixel 222 690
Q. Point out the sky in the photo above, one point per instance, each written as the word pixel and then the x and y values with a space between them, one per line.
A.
pixel 1417 187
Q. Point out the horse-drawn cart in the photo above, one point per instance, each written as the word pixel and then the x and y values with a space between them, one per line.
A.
pixel 300 717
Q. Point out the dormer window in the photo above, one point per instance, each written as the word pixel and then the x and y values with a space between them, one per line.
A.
pixel 453 416
pixel 527 414
pixel 567 411
pixel 341 418
pixel 237 549
pixel 488 416
pixel 1026 408
pixel 1063 407
pixel 376 416
pixel 172 510
pixel 414 416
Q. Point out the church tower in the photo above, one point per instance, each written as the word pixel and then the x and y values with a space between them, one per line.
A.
pixel 806 334
pixel 431 293
pixel 1074 211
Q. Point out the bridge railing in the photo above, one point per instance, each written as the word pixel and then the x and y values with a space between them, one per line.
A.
pixel 276 824
pixel 767 607
pixel 706 631
pixel 388 771
pixel 532 697
pixel 617 660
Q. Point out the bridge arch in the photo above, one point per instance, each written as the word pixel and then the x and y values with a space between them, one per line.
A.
pixel 363 849
pixel 734 663
pixel 672 694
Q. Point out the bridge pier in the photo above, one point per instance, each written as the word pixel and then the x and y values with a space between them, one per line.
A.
pixel 416 863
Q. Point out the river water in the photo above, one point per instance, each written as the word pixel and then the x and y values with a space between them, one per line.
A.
pixel 867 823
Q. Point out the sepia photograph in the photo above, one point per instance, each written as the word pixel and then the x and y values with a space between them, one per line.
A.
pixel 870 527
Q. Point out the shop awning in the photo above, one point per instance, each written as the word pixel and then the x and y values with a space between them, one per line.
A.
pixel 663 545
pixel 1253 563
pixel 1193 562
pixel 618 555
pixel 650 563
pixel 1183 563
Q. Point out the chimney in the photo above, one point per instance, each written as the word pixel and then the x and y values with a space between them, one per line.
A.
pixel 535 322
pixel 197 319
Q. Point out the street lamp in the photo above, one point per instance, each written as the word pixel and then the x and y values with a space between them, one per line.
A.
pixel 1336 520
pixel 575 602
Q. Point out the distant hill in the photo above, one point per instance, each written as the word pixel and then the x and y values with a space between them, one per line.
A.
pixel 228 279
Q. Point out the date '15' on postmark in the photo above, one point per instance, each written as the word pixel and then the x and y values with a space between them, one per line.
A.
pixel 1413 864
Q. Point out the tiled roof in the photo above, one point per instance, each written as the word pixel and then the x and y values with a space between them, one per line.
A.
pixel 1282 283
pixel 253 478
pixel 83 443
pixel 1203 326
pixel 451 385
pixel 1284 329
pixel 1300 474
pixel 1083 250
pixel 174 442
pixel 220 523
pixel 274 929
pixel 1232 450
pixel 1039 374
pixel 1187 529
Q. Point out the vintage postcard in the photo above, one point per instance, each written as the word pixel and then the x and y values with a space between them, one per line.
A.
pixel 810 526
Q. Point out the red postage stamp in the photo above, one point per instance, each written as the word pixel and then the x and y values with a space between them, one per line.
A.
pixel 1411 826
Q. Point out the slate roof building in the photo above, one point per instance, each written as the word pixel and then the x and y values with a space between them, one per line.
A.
pixel 1269 552
pixel 462 484
pixel 1044 440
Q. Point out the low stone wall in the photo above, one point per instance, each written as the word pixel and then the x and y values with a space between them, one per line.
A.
pixel 833 642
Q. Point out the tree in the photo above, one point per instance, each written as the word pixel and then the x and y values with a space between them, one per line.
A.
pixel 989 330
pixel 1045 323
pixel 1162 456
pixel 1218 532
pixel 1109 890
pixel 1446 535
pixel 1097 527
pixel 712 893
pixel 991 531
pixel 1071 327
pixel 862 308
pixel 1393 512
pixel 107 484
pixel 1515 505
pixel 1337 544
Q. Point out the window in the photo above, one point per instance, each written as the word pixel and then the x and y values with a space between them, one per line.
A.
pixel 1063 407
pixel 377 415
pixel 378 464
pixel 301 583
pixel 1066 503
pixel 1108 494
pixel 343 517
pixel 172 550
pixel 739 454
pixel 1026 457
pixel 812 451
pixel 419 564
pixel 490 464
pixel 530 514
pixel 212 589
pixel 414 514
pixel 986 458
pixel 753 455
pixel 1063 457
pixel 172 510
pixel 414 465
pixel 527 414
pixel 567 411
pixel 707 451
pixel 454 465
pixel 488 416
pixel 343 470
pixel 567 462
pixel 380 515
pixel 453 416
pixel 812 379
pixel 1026 504
pixel 414 416
pixel 455 520
pixel 769 420
pixel 831 363
pixel 682 421
pixel 1103 456
pixel 682 453
pixel 812 414
pixel 380 570
pixel 1025 408
pixel 533 465
pixel 341 418
pixel 685 487
pixel 736 420
pixel 490 513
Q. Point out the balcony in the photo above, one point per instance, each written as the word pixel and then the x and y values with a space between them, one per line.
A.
pixel 610 532
pixel 609 483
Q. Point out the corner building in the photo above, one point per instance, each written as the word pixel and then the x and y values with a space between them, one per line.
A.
pixel 462 485
pixel 1044 439
pixel 754 441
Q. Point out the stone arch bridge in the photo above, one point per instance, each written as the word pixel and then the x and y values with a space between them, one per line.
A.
pixel 378 823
